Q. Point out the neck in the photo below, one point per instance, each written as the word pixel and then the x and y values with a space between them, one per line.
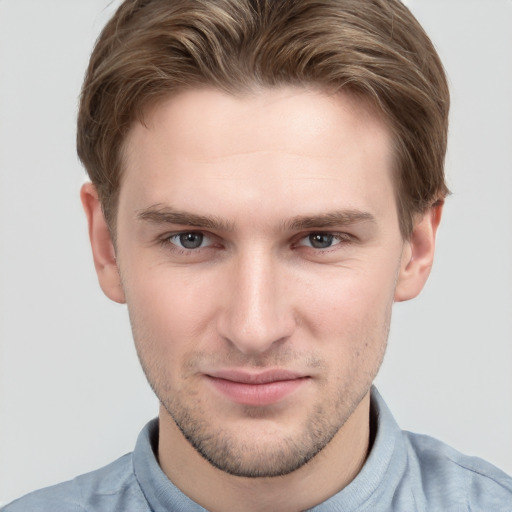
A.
pixel 326 474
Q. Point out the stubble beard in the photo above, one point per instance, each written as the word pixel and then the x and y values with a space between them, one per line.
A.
pixel 282 454
pixel 273 458
pixel 249 456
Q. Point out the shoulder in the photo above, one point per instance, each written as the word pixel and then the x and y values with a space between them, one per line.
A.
pixel 449 477
pixel 113 487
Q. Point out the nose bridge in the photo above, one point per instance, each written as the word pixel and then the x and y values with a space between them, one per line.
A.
pixel 258 312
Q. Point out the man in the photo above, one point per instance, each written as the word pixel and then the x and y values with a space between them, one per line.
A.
pixel 267 178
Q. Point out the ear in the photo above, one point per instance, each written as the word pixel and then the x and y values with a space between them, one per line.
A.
pixel 418 254
pixel 102 246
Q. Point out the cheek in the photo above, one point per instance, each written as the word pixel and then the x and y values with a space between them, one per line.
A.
pixel 348 298
pixel 169 306
pixel 350 321
pixel 167 318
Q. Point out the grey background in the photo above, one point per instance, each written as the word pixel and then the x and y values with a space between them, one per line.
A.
pixel 72 396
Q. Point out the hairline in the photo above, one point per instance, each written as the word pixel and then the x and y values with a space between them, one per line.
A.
pixel 364 100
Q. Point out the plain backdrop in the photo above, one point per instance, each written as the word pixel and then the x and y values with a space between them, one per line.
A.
pixel 72 396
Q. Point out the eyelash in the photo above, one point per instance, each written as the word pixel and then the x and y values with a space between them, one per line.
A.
pixel 165 242
pixel 340 237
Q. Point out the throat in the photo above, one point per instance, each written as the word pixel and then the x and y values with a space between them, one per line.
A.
pixel 326 474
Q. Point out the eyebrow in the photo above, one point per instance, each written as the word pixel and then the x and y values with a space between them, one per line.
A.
pixel 160 214
pixel 329 220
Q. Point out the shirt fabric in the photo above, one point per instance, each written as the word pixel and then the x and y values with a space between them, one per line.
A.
pixel 404 472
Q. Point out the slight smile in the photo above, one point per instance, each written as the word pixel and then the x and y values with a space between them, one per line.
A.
pixel 256 389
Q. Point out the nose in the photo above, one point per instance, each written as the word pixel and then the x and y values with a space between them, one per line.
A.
pixel 258 308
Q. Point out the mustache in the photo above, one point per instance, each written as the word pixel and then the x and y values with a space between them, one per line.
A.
pixel 283 357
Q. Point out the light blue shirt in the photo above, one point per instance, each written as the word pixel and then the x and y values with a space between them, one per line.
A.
pixel 404 472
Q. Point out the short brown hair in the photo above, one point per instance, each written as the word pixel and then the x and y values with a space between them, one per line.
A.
pixel 151 49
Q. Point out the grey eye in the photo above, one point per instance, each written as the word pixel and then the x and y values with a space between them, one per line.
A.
pixel 191 240
pixel 321 240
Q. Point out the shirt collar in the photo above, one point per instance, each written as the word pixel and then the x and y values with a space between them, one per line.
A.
pixel 162 495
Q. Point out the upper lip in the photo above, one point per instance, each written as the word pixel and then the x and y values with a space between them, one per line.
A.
pixel 264 377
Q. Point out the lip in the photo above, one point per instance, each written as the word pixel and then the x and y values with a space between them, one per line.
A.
pixel 256 389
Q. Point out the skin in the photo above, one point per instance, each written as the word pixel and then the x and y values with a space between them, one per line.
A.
pixel 285 201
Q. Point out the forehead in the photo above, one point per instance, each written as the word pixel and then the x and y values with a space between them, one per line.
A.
pixel 287 143
pixel 202 117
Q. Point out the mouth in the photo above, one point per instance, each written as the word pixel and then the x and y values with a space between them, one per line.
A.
pixel 256 389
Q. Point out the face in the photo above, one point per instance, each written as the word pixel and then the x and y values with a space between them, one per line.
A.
pixel 259 250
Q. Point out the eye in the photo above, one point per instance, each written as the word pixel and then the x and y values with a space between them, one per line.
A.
pixel 189 240
pixel 323 240
pixel 320 240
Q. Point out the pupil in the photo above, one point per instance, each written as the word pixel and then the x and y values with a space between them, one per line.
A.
pixel 321 240
pixel 191 240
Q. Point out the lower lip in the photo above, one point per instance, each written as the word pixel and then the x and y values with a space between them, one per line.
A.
pixel 257 394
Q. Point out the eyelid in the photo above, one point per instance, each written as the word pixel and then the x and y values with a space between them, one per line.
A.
pixel 166 239
pixel 341 237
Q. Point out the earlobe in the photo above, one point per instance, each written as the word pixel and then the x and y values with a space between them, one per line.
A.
pixel 102 246
pixel 418 254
